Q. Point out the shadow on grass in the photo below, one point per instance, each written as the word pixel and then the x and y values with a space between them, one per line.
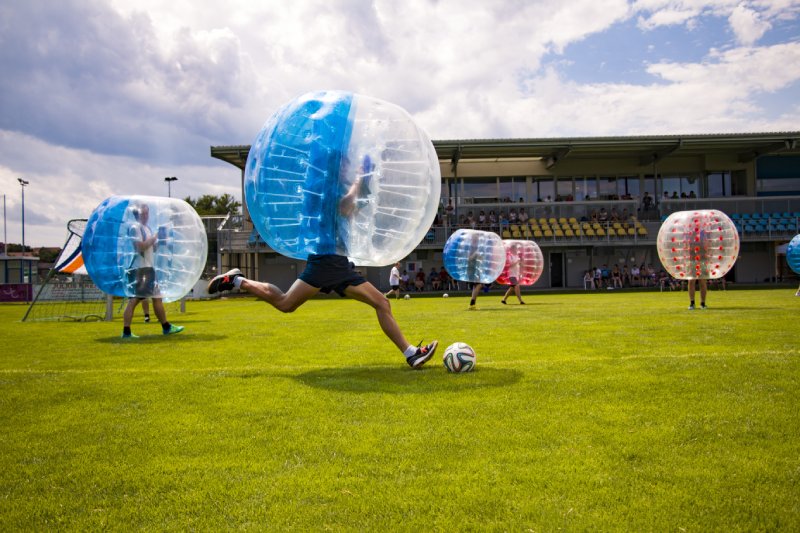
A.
pixel 389 379
pixel 158 338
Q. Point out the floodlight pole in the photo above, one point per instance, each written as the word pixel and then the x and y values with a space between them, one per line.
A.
pixel 5 232
pixel 23 183
pixel 169 181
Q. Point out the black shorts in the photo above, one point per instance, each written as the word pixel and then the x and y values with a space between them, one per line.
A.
pixel 513 281
pixel 331 273
pixel 143 281
pixel 395 287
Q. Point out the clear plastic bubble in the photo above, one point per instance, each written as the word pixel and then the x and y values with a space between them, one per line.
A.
pixel 524 261
pixel 334 172
pixel 701 244
pixel 168 267
pixel 475 256
pixel 793 254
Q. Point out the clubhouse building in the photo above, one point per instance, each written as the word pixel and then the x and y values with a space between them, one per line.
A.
pixel 586 201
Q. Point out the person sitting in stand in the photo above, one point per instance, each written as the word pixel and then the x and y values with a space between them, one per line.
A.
pixel 433 279
pixel 419 281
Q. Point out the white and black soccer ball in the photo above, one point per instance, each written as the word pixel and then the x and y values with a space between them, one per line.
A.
pixel 445 295
pixel 459 357
pixel 407 296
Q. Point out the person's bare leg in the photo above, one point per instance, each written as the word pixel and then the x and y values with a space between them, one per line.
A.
pixel 368 294
pixel 127 315
pixel 691 287
pixel 703 291
pixel 518 292
pixel 505 296
pixel 158 308
pixel 286 302
pixel 145 307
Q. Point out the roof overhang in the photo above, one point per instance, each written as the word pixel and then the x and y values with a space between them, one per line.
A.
pixel 647 150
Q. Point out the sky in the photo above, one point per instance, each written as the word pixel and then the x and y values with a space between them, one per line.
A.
pixel 103 97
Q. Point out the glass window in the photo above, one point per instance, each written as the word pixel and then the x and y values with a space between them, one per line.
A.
pixel 564 189
pixel 781 186
pixel 585 189
pixel 719 184
pixel 631 184
pixel 671 187
pixel 546 189
pixel 607 187
pixel 479 190
pixel 513 189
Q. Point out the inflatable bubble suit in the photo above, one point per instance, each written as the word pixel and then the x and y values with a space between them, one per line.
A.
pixel 793 254
pixel 340 173
pixel 145 246
pixel 524 261
pixel 474 256
pixel 701 244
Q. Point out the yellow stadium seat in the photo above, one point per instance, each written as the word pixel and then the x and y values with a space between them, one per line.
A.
pixel 542 221
pixel 631 232
pixel 516 234
pixel 589 232
pixel 538 234
pixel 562 220
pixel 527 233
pixel 642 231
pixel 600 232
pixel 548 233
pixel 573 220
pixel 506 234
pixel 558 233
pixel 569 233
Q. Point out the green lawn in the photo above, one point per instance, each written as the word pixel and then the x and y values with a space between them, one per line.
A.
pixel 603 411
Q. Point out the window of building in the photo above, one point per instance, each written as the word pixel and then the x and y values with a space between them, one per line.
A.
pixel 513 189
pixel 479 190
pixel 545 188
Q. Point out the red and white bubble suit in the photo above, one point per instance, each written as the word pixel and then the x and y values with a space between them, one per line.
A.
pixel 524 261
pixel 700 244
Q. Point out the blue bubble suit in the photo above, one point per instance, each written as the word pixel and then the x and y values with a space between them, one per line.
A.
pixel 340 173
pixel 474 256
pixel 793 254
pixel 700 244
pixel 145 246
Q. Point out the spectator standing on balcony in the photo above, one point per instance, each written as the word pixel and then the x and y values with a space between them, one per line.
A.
pixel 503 220
pixel 523 216
pixel 482 219
pixel 492 219
pixel 647 201
pixel 449 211
pixel 470 219
pixel 602 217
pixel 512 215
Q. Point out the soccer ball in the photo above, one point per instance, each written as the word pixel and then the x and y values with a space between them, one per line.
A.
pixel 445 295
pixel 407 296
pixel 459 357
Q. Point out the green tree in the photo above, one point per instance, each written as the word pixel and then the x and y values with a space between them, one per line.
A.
pixel 210 204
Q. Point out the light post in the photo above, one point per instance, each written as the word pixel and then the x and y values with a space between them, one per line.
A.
pixel 169 181
pixel 5 233
pixel 23 183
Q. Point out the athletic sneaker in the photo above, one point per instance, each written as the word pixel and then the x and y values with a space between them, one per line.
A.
pixel 129 336
pixel 423 354
pixel 473 307
pixel 703 306
pixel 147 318
pixel 173 329
pixel 691 307
pixel 503 302
pixel 223 282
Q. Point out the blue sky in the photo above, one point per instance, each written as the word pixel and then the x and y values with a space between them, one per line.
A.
pixel 103 97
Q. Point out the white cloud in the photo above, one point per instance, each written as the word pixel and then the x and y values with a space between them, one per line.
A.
pixel 747 25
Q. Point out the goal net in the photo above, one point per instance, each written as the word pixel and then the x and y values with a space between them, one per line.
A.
pixel 67 292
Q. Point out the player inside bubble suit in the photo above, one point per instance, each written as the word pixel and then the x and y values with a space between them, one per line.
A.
pixel 142 273
pixel 329 272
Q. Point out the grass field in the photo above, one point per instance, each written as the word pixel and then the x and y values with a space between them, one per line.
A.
pixel 607 411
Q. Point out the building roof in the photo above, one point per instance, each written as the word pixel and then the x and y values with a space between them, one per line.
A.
pixel 648 149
